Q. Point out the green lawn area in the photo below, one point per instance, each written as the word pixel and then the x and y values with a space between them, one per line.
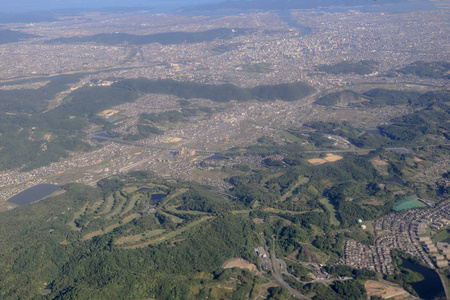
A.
pixel 174 219
pixel 130 205
pixel 107 205
pixel 441 235
pixel 173 209
pixel 170 235
pixel 118 205
pixel 301 180
pixel 290 137
pixel 280 211
pixel 129 239
pixel 76 216
pixel 169 197
pixel 331 210
pixel 110 228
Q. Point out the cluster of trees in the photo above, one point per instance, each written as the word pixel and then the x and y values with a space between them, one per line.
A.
pixel 220 93
pixel 380 97
pixel 12 36
pixel 362 67
pixel 342 97
pixel 167 38
pixel 435 69
pixel 22 139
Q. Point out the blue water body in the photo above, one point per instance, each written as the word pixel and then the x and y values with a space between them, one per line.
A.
pixel 34 194
pixel 286 17
pixel 429 288
pixel 155 198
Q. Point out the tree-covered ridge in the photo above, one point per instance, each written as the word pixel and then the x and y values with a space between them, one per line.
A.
pixel 339 98
pixel 381 97
pixel 140 236
pixel 362 67
pixel 116 241
pixel 435 69
pixel 26 109
pixel 166 38
pixel 11 36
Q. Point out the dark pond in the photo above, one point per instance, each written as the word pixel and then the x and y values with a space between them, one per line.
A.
pixel 217 157
pixel 34 194
pixel 429 288
pixel 398 180
pixel 155 198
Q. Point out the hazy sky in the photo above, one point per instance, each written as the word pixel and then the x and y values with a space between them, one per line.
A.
pixel 28 5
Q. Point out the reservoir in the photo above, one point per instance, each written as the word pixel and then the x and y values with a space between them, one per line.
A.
pixel 34 194
pixel 429 288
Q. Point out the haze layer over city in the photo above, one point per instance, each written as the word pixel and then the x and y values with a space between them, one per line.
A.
pixel 320 130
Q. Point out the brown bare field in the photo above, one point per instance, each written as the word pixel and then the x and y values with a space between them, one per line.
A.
pixel 175 140
pixel 386 291
pixel 417 159
pixel 239 263
pixel 317 161
pixel 258 221
pixel 332 157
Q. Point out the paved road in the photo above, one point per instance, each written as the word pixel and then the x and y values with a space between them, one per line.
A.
pixel 277 275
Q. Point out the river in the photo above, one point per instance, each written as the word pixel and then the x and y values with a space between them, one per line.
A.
pixel 34 194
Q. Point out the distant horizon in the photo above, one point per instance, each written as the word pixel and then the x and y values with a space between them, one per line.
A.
pixel 25 6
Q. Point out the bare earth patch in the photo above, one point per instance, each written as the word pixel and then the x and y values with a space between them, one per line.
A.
pixel 330 158
pixel 239 263
pixel 317 161
pixel 258 221
pixel 386 291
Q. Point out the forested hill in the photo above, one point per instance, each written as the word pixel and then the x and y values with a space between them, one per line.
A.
pixel 167 38
pixel 280 4
pixel 11 36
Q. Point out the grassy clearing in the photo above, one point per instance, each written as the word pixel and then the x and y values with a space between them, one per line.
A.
pixel 173 209
pixel 441 235
pixel 290 137
pixel 130 189
pixel 174 219
pixel 107 205
pixel 280 211
pixel 130 205
pixel 271 176
pixel 331 210
pixel 169 197
pixel 119 202
pixel 169 235
pixel 301 180
pixel 78 214
pixel 137 237
pixel 109 228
